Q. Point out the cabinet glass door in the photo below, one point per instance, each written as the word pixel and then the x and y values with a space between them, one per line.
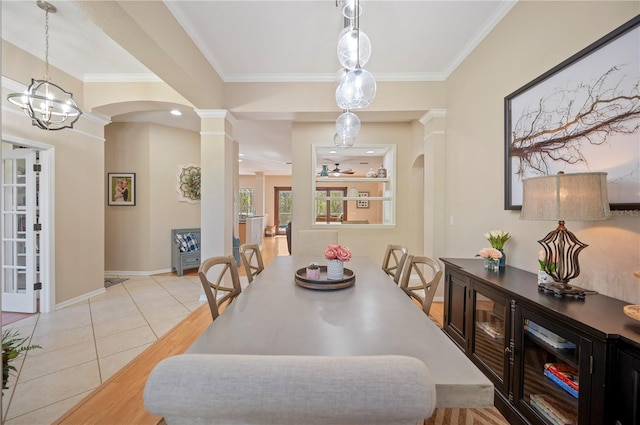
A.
pixel 554 371
pixel 490 342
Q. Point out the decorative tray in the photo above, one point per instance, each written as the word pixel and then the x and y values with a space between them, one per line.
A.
pixel 325 284
pixel 632 311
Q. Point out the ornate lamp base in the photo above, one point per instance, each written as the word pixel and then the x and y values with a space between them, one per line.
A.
pixel 560 290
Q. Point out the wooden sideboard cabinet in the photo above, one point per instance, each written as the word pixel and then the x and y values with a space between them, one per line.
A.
pixel 552 360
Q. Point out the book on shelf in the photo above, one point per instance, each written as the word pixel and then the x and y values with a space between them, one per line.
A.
pixel 567 373
pixel 490 329
pixel 553 410
pixel 561 383
pixel 561 344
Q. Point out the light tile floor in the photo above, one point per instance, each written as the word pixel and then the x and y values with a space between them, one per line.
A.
pixel 86 343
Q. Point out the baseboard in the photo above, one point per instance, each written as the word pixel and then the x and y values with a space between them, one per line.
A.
pixel 80 298
pixel 135 273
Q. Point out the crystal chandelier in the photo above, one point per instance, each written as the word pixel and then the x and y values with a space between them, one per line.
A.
pixel 49 106
pixel 356 86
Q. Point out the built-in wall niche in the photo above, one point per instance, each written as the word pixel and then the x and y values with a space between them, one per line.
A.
pixel 353 186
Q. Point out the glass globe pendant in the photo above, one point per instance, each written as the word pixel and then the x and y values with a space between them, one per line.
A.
pixel 343 141
pixel 348 125
pixel 354 52
pixel 356 90
pixel 350 8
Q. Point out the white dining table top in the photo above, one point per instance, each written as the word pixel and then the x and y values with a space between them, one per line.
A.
pixel 275 316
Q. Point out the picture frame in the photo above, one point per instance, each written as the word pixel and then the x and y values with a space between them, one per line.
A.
pixel 362 203
pixel 121 189
pixel 583 115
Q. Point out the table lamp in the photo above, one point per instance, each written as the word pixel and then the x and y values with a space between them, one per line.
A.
pixel 580 197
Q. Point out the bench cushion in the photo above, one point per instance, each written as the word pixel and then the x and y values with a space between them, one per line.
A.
pixel 194 389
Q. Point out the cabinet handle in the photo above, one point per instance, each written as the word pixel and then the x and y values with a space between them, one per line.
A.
pixel 507 350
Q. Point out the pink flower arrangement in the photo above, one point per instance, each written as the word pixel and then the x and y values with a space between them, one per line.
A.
pixel 490 253
pixel 337 252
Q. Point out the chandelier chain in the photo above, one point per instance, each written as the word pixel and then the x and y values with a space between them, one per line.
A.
pixel 46 44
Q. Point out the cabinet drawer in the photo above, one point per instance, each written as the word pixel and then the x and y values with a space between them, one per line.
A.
pixel 190 259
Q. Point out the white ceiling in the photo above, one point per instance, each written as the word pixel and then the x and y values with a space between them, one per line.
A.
pixel 266 40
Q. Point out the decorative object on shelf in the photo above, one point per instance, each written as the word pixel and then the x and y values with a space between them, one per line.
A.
pixel 543 276
pixel 382 172
pixel 122 189
pixel 371 173
pixel 325 171
pixel 362 203
pixel 579 116
pixel 189 183
pixel 337 256
pixel 581 197
pixel 497 239
pixel 313 271
pixel 491 258
pixel 12 346
pixel 49 106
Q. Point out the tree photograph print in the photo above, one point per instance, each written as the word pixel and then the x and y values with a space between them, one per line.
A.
pixel 581 116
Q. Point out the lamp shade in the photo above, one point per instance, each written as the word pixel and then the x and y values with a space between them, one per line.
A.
pixel 579 196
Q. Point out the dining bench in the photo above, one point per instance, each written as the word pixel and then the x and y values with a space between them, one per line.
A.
pixel 185 249
pixel 312 390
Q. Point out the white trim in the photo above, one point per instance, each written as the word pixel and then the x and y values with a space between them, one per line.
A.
pixel 47 218
pixel 135 273
pixel 500 12
pixel 217 113
pixel 434 133
pixel 80 298
pixel 431 114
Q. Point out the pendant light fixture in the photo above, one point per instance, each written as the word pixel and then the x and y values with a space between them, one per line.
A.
pixel 356 86
pixel 49 106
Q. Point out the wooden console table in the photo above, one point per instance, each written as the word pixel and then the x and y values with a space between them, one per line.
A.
pixel 513 332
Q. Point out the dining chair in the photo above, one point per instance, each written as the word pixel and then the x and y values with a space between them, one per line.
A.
pixel 226 286
pixel 393 261
pixel 312 243
pixel 251 260
pixel 424 291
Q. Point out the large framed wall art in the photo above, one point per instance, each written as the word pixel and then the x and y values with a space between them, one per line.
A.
pixel 583 115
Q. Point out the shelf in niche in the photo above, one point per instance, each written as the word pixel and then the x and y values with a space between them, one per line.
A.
pixel 352 179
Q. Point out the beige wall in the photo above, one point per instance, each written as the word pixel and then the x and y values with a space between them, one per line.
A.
pixel 531 39
pixel 78 199
pixel 137 239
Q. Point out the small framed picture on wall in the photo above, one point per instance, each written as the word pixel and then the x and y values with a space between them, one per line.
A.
pixel 362 203
pixel 121 190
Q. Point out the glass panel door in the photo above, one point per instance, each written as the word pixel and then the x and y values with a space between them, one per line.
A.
pixel 551 363
pixel 491 333
pixel 20 266
pixel 283 203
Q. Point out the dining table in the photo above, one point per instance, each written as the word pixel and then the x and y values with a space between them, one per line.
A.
pixel 276 316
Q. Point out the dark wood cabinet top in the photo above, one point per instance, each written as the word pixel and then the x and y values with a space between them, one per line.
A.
pixel 598 315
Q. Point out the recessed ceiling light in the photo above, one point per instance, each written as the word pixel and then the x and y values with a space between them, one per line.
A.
pixel 371 152
pixel 239 160
pixel 176 112
pixel 332 151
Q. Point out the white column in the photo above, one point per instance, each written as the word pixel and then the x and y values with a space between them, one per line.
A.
pixel 434 173
pixel 219 167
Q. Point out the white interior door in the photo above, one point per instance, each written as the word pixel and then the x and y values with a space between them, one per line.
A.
pixel 20 238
